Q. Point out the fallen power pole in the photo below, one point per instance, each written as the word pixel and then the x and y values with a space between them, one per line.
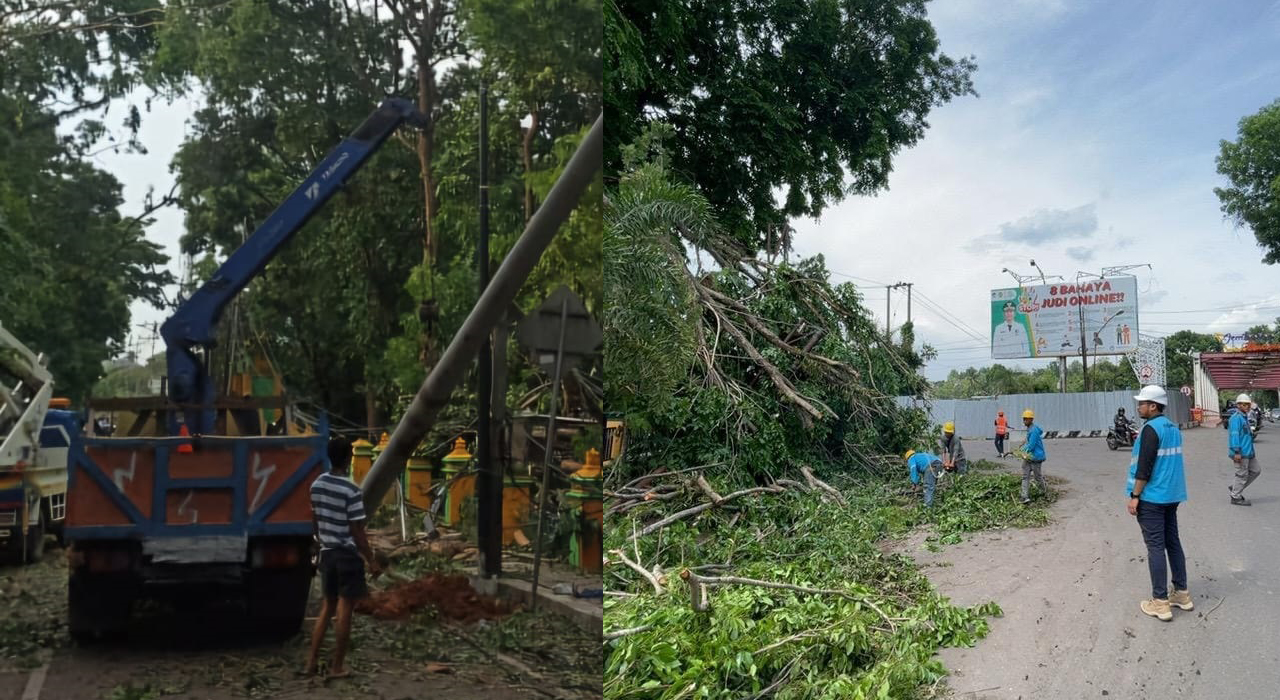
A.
pixel 503 287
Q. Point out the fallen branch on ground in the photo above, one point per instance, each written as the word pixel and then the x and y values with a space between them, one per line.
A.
pixel 706 488
pixel 817 483
pixel 626 632
pixel 688 512
pixel 699 584
pixel 652 578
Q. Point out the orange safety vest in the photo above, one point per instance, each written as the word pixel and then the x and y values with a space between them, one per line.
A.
pixel 1002 426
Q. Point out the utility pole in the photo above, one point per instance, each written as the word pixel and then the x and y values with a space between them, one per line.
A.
pixel 888 292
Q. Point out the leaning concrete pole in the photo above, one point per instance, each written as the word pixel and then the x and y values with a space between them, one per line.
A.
pixel 502 289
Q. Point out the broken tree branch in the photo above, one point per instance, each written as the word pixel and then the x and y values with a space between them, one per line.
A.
pixel 635 566
pixel 654 527
pixel 705 581
pixel 821 485
pixel 706 488
pixel 625 632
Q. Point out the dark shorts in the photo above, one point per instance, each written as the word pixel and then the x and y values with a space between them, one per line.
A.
pixel 342 574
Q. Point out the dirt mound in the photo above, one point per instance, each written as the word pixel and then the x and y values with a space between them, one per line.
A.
pixel 452 596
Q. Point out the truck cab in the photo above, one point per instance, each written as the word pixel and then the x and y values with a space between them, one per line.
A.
pixel 36 432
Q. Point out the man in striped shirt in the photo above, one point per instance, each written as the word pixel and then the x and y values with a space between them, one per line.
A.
pixel 337 513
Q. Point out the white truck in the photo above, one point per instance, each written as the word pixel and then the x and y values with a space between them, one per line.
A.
pixel 35 437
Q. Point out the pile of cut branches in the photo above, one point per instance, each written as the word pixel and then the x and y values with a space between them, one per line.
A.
pixel 717 354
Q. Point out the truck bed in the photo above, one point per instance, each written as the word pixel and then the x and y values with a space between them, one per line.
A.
pixel 197 506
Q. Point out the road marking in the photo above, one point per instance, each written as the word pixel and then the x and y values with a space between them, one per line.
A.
pixel 35 682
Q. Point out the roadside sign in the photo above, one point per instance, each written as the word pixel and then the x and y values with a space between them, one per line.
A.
pixel 1145 372
pixel 1186 391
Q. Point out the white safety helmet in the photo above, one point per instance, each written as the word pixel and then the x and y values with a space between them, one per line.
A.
pixel 1154 394
pixel 1244 398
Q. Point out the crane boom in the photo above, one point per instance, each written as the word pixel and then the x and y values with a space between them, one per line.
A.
pixel 193 325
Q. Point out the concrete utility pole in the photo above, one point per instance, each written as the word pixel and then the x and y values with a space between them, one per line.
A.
pixel 502 289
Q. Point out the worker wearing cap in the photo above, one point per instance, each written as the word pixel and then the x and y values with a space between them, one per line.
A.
pixel 924 466
pixel 1240 450
pixel 952 450
pixel 1009 339
pixel 1157 484
pixel 1034 460
pixel 1002 432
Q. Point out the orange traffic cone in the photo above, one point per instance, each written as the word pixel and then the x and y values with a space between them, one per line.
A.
pixel 184 447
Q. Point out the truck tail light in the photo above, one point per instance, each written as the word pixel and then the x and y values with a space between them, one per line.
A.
pixel 275 556
pixel 107 560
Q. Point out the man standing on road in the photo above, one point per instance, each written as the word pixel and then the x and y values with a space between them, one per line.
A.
pixel 923 465
pixel 952 450
pixel 1240 449
pixel 337 515
pixel 1034 458
pixel 1157 485
pixel 1002 432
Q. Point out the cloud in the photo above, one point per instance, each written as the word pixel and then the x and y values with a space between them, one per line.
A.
pixel 1052 224
pixel 1080 253
pixel 1153 297
pixel 1041 226
pixel 1126 242
pixel 1248 315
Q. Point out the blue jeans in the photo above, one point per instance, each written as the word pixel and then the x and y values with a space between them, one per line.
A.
pixel 1159 523
pixel 931 482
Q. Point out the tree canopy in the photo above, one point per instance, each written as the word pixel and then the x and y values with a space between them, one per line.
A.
pixel 70 262
pixel 1252 165
pixel 813 98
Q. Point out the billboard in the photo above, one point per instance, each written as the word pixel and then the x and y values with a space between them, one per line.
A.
pixel 1046 320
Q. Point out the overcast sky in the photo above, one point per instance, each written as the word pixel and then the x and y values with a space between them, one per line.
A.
pixel 163 129
pixel 1092 145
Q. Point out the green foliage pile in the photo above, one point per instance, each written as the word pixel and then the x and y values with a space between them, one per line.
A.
pixel 813 646
pixel 759 364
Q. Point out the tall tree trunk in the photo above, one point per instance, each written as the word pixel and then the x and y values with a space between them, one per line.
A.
pixel 371 412
pixel 426 104
pixel 528 162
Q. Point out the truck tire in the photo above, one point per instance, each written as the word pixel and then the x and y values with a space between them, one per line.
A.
pixel 277 600
pixel 35 539
pixel 98 606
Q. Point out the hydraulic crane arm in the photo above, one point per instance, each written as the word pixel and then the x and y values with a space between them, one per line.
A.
pixel 24 404
pixel 193 326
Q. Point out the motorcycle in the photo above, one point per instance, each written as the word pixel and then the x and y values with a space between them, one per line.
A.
pixel 1125 438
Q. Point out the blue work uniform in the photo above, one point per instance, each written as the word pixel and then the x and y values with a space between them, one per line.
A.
pixel 922 466
pixel 1157 458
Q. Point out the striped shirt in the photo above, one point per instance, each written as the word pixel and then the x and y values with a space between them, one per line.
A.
pixel 336 503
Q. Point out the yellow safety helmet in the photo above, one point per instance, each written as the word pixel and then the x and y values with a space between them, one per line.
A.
pixel 908 454
pixel 948 427
pixel 1028 413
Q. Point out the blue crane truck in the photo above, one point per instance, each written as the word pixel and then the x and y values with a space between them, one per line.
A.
pixel 188 500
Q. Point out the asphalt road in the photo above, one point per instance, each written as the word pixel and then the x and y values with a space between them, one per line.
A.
pixel 1070 591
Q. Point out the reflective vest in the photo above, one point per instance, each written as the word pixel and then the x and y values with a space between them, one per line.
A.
pixel 1168 483
pixel 1002 426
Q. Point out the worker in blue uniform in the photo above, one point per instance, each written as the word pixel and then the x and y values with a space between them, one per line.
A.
pixel 1033 456
pixel 1240 450
pixel 924 466
pixel 1157 484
